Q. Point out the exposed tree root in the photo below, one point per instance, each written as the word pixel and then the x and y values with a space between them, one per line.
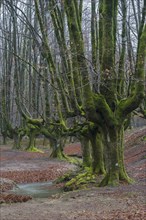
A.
pixel 79 179
pixel 34 149
pixel 61 156
pixel 74 160
pixel 114 180
pixel 109 180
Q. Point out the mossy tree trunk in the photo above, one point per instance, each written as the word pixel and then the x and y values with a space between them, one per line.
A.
pixel 57 146
pixel 17 140
pixel 114 158
pixel 4 135
pixel 94 37
pixel 122 170
pixel 121 73
pixel 86 151
pixel 32 139
pixel 114 112
pixel 97 152
pixel 112 170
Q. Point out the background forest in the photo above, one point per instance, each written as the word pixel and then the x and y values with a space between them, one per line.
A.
pixel 73 68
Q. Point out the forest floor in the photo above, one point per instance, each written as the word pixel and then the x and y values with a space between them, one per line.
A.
pixel 107 203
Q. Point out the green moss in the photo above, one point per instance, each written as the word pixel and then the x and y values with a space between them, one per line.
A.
pixel 57 153
pixel 31 126
pixel 92 126
pixel 144 138
pixel 80 181
pixel 35 121
pixel 86 150
pixel 84 130
pixel 72 160
pixel 81 110
pixel 110 180
pixel 104 109
pixel 34 149
pixel 65 177
pixel 97 153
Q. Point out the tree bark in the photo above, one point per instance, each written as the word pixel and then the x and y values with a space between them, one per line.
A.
pixel 115 168
pixel 86 151
pixel 31 145
pixel 97 153
pixel 17 140
pixel 57 146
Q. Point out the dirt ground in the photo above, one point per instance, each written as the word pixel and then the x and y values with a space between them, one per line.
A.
pixel 108 203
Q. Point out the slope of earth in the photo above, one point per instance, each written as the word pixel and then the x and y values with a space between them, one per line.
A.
pixel 118 203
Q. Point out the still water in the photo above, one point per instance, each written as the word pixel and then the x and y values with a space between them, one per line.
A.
pixel 37 190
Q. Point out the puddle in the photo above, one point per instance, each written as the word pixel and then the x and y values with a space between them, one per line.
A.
pixel 37 190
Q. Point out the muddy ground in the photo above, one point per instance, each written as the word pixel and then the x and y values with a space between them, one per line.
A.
pixel 118 203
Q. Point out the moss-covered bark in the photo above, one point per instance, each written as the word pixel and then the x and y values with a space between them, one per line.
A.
pixel 17 141
pixel 57 148
pixel 107 49
pixel 123 176
pixel 121 72
pixel 86 151
pixel 97 152
pixel 112 169
pixel 114 158
pixel 94 37
pixel 4 135
pixel 77 38
pixel 18 134
pixel 32 138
